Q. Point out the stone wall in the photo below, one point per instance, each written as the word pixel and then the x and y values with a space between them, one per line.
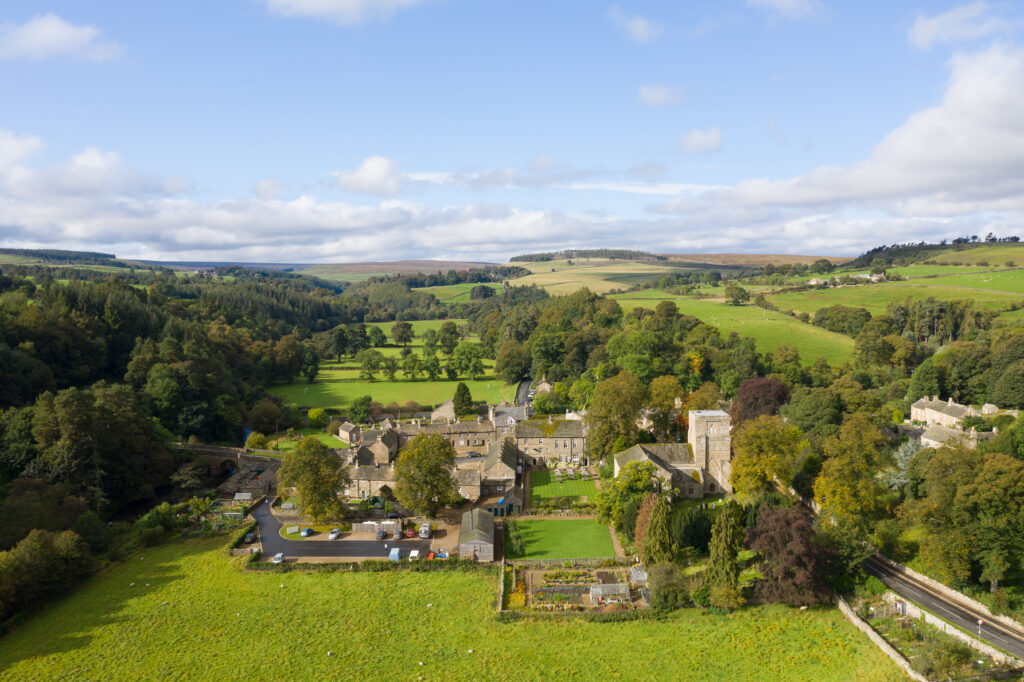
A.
pixel 879 641
pixel 912 610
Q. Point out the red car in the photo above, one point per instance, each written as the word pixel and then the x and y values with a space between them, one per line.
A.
pixel 410 533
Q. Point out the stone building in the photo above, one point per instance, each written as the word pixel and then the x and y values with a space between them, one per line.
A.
pixel 711 443
pixel 673 463
pixel 942 413
pixel 554 441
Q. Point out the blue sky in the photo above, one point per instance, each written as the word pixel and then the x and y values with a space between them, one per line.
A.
pixel 346 130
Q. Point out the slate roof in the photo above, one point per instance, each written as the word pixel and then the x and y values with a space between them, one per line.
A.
pixel 506 453
pixel 956 411
pixel 372 473
pixel 467 477
pixel 540 428
pixel 471 427
pixel 665 455
pixel 477 526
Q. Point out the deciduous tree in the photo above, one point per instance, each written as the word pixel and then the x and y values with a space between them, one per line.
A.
pixel 792 565
pixel 423 474
pixel 318 477
pixel 765 449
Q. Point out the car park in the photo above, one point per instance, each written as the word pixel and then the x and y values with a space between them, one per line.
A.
pixel 278 558
pixel 334 534
pixel 306 532
pixel 382 534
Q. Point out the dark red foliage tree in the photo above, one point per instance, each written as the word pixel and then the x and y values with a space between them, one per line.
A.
pixel 763 395
pixel 793 565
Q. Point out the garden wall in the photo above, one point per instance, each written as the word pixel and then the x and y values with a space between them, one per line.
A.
pixel 914 611
pixel 879 641
pixel 951 593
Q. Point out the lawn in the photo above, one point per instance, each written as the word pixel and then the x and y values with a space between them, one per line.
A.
pixel 769 329
pixel 543 485
pixel 565 539
pixel 220 623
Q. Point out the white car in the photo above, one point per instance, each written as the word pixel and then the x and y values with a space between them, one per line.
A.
pixel 414 555
pixel 278 558
pixel 334 534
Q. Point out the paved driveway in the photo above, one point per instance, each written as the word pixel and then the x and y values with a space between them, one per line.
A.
pixel 523 392
pixel 272 542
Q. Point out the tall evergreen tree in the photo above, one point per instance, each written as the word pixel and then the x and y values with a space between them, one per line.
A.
pixel 657 546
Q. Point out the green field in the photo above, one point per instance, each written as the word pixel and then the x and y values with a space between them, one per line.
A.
pixel 543 485
pixel 994 254
pixel 456 293
pixel 876 297
pixel 224 624
pixel 768 329
pixel 600 275
pixel 336 388
pixel 565 539
pixel 338 384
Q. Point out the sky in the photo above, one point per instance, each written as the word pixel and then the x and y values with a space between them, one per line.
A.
pixel 330 131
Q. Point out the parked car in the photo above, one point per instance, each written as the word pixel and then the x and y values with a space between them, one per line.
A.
pixel 442 554
pixel 334 534
pixel 414 555
pixel 278 558
pixel 382 534
pixel 397 535
pixel 474 454
pixel 410 533
pixel 306 532
pixel 425 531
pixel 394 515
pixel 250 537
pixel 395 555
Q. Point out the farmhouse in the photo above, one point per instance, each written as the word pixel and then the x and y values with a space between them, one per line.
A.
pixel 348 432
pixel 936 436
pixel 476 535
pixel 935 411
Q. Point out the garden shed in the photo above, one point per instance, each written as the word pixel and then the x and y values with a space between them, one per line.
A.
pixel 605 594
pixel 476 535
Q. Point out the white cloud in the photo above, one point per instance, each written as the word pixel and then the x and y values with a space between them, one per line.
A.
pixel 268 189
pixel 344 12
pixel 701 141
pixel 659 95
pixel 638 28
pixel 16 148
pixel 791 9
pixel 962 23
pixel 47 36
pixel 376 175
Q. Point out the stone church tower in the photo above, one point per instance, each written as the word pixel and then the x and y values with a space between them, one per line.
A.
pixel 711 443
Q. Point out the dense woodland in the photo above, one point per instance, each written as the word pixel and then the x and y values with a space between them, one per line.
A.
pixel 101 373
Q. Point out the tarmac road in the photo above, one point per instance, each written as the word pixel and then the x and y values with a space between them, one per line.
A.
pixel 523 391
pixel 996 634
pixel 272 542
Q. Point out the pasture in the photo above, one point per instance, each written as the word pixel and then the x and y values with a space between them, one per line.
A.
pixel 543 485
pixel 995 254
pixel 457 293
pixel 330 441
pixel 769 329
pixel 877 297
pixel 202 618
pixel 564 539
pixel 599 275
pixel 338 383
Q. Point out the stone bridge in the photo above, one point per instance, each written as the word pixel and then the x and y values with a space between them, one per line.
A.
pixel 223 460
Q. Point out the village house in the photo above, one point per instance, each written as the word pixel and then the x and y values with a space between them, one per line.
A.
pixel 348 432
pixel 934 411
pixel 554 441
pixel 468 436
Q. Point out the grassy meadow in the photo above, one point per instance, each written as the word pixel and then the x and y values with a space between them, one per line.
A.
pixel 600 275
pixel 994 254
pixel 338 383
pixel 768 329
pixel 457 293
pixel 221 623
